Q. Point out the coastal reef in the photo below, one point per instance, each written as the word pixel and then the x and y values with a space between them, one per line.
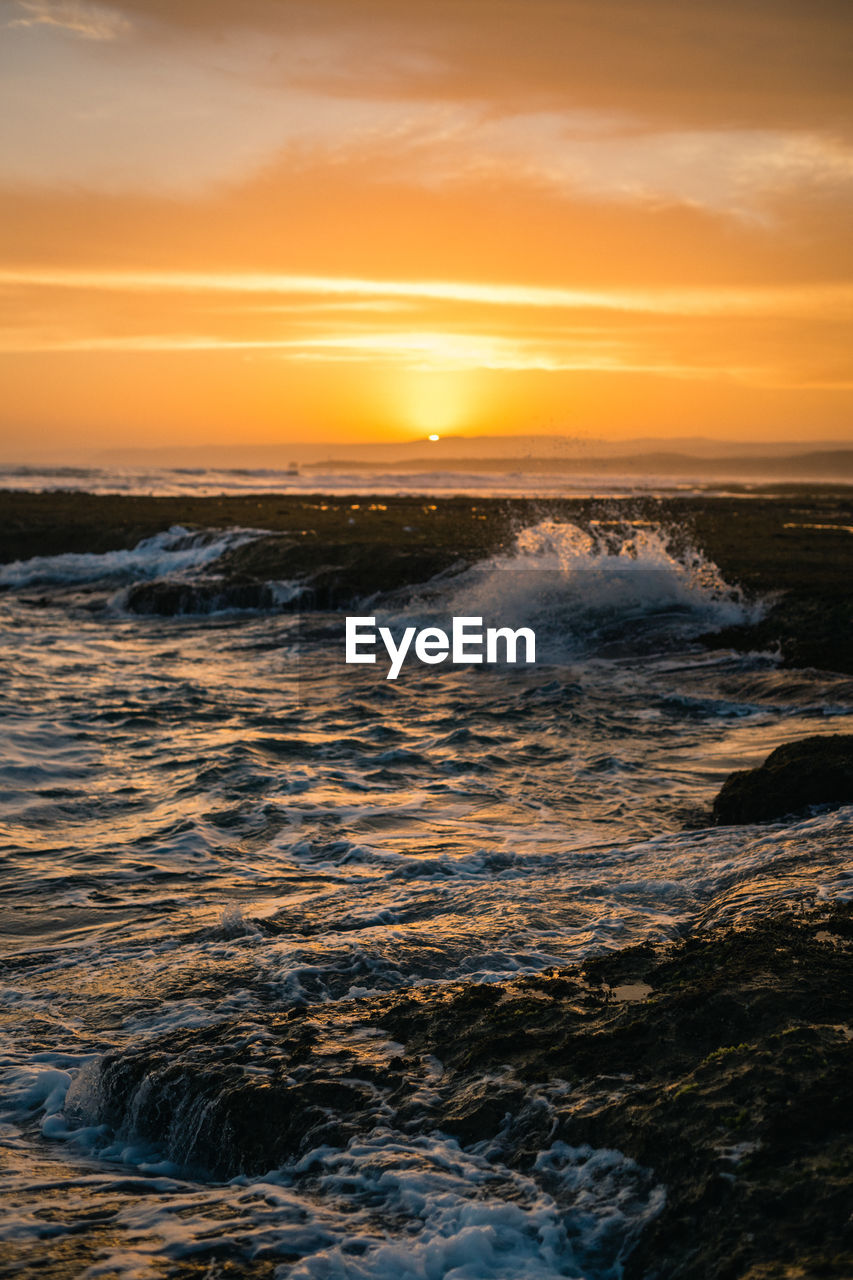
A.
pixel 721 1065
pixel 791 548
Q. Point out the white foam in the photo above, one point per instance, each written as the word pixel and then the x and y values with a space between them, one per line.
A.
pixel 176 551
pixel 582 589
pixel 389 1207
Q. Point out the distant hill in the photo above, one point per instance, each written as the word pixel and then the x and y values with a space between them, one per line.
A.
pixel 831 464
pixel 678 455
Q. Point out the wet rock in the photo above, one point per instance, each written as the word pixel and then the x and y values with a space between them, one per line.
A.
pixel 731 1081
pixel 816 770
pixel 337 574
pixel 169 598
pixel 482 1108
pixel 243 1098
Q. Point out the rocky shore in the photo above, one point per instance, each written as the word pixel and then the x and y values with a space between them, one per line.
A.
pixel 715 1072
pixel 721 1065
pixel 793 548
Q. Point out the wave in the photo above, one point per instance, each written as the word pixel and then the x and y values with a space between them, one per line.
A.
pixel 654 473
pixel 608 589
pixel 178 550
pixel 178 597
pixel 612 590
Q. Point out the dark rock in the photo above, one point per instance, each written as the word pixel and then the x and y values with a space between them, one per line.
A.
pixel 169 598
pixel 731 1084
pixel 233 1098
pixel 812 771
pixel 482 1107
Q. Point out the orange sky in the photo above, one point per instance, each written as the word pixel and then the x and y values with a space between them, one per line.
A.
pixel 367 220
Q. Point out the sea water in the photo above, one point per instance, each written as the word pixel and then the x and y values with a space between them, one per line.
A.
pixel 210 817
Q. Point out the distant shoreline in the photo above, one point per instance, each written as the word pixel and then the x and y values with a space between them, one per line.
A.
pixel 830 465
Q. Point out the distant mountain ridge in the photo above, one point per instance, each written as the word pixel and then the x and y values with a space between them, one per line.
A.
pixel 833 464
pixel 460 447
pixel 669 456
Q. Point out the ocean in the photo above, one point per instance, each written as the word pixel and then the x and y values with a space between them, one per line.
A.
pixel 371 480
pixel 214 828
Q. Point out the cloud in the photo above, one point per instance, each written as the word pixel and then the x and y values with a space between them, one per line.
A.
pixel 367 86
pixel 583 156
pixel 770 336
pixel 412 351
pixel 826 300
pixel 91 21
pixel 456 352
pixel 765 64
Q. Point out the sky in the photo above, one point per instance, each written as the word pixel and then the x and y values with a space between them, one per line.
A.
pixel 366 220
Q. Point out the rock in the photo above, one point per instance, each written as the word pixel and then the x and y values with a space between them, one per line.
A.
pixel 241 1097
pixel 168 598
pixel 729 1085
pixel 815 770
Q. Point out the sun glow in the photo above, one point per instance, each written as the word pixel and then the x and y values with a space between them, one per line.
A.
pixel 586 221
pixel 434 402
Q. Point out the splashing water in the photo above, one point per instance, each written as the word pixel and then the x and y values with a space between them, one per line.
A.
pixel 607 591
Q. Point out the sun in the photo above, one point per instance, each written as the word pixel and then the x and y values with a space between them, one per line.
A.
pixel 433 402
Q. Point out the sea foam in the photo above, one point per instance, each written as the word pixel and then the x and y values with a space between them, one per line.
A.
pixel 177 550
